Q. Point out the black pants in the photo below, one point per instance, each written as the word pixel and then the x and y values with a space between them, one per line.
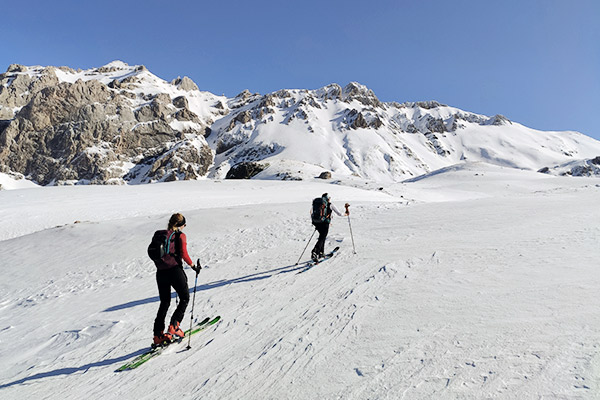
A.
pixel 165 279
pixel 323 229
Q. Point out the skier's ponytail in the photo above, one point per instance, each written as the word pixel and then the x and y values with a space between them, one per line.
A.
pixel 176 221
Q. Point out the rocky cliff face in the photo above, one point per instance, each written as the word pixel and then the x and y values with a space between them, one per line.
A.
pixel 110 125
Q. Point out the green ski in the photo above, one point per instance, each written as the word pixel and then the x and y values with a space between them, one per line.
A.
pixel 155 351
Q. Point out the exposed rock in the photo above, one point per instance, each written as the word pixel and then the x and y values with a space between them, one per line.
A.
pixel 427 105
pixel 436 125
pixel 115 84
pixel 185 161
pixel 376 123
pixel 16 68
pixel 325 175
pixel 163 98
pixel 181 102
pixel 544 170
pixel 267 101
pixel 245 170
pixel 84 131
pixel 186 115
pixel 356 119
pixel 243 117
pixel 185 83
pixel 330 92
pixel 4 124
pixel 499 120
pixel 356 91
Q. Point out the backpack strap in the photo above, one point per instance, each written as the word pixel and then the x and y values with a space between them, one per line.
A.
pixel 327 210
pixel 168 242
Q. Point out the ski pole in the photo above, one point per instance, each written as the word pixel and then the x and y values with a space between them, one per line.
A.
pixel 350 225
pixel 307 243
pixel 198 268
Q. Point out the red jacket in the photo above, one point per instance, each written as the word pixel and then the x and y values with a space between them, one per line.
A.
pixel 184 253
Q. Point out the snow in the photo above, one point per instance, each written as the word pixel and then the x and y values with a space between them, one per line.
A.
pixel 476 281
pixel 9 182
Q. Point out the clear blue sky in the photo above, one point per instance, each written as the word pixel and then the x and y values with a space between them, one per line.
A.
pixel 535 61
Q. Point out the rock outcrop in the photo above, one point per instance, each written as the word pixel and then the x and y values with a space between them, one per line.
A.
pixel 89 131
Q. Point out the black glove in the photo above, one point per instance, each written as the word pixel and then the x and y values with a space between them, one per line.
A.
pixel 196 268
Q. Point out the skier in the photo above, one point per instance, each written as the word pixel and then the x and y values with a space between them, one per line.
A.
pixel 321 218
pixel 172 275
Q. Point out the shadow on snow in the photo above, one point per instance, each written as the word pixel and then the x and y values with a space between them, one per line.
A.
pixel 212 285
pixel 69 371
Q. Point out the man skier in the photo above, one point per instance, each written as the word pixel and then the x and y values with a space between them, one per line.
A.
pixel 321 218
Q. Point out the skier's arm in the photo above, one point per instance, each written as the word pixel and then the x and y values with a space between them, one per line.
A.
pixel 184 252
pixel 334 209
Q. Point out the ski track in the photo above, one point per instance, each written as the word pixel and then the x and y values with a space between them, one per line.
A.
pixel 440 301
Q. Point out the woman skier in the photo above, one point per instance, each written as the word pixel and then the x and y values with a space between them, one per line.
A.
pixel 169 274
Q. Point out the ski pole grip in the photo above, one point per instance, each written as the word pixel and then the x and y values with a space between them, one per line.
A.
pixel 347 205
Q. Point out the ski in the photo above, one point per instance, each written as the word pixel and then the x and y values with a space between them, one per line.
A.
pixel 156 350
pixel 312 263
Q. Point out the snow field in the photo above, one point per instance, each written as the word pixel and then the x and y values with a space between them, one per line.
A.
pixel 477 283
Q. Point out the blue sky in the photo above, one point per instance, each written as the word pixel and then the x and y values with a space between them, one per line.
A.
pixel 536 62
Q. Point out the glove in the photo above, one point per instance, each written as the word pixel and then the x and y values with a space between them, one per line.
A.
pixel 196 268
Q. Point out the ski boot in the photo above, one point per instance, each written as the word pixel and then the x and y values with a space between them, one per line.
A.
pixel 175 330
pixel 314 256
pixel 161 340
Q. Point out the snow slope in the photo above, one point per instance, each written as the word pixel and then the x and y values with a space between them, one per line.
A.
pixel 8 182
pixel 474 282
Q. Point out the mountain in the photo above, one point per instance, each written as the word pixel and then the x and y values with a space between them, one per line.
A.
pixel 122 124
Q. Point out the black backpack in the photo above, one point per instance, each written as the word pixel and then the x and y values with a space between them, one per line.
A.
pixel 163 249
pixel 320 210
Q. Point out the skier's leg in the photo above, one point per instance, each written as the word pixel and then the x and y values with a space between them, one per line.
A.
pixel 315 251
pixel 180 284
pixel 164 293
pixel 323 231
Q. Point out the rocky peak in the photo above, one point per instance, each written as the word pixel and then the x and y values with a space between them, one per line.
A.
pixel 16 68
pixel 356 91
pixel 329 92
pixel 499 120
pixel 184 83
pixel 113 67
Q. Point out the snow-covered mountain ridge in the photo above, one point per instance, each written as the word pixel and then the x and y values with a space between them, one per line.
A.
pixel 122 124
